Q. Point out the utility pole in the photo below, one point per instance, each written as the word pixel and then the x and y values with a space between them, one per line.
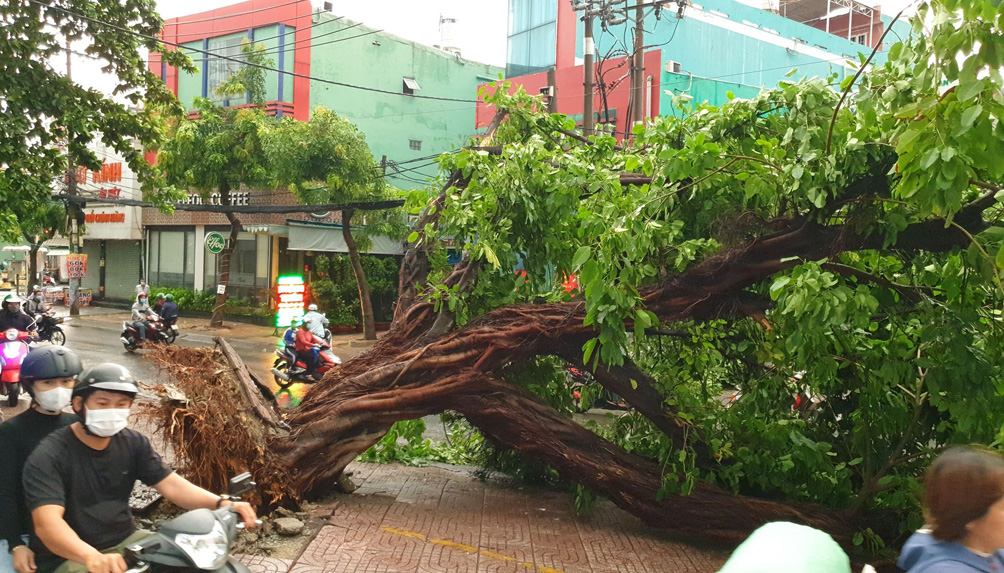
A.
pixel 588 72
pixel 638 66
pixel 72 208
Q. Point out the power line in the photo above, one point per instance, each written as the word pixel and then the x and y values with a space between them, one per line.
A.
pixel 268 68
pixel 232 15
pixel 286 49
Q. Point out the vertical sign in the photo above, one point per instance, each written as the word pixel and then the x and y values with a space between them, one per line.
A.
pixel 289 291
pixel 76 265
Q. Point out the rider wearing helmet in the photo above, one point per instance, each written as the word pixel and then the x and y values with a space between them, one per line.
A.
pixel 12 317
pixel 47 374
pixel 169 311
pixel 77 482
pixel 318 322
pixel 159 304
pixel 36 302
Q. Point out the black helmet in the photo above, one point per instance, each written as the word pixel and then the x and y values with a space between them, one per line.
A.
pixel 48 362
pixel 105 376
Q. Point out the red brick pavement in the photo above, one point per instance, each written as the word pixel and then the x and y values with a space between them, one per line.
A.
pixel 419 520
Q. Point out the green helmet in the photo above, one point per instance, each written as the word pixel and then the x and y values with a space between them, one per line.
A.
pixel 169 297
pixel 105 376
pixel 10 299
pixel 160 295
pixel 783 546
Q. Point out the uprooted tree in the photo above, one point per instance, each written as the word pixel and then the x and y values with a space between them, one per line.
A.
pixel 832 255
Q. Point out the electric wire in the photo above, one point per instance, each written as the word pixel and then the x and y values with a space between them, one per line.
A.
pixel 268 68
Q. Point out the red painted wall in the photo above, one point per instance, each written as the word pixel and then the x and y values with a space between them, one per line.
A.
pixel 234 18
pixel 570 91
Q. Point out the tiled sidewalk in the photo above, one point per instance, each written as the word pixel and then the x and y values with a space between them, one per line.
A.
pixel 405 519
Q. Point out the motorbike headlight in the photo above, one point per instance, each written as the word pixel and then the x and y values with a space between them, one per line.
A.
pixel 206 551
pixel 11 334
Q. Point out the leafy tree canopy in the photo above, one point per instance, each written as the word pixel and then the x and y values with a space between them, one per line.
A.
pixel 47 119
pixel 880 306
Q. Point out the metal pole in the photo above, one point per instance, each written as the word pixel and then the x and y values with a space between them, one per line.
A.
pixel 638 80
pixel 73 208
pixel 827 16
pixel 587 75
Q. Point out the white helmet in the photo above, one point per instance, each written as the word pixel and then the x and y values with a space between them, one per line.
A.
pixel 312 308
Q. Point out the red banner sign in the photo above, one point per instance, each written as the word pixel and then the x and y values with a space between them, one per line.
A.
pixel 76 266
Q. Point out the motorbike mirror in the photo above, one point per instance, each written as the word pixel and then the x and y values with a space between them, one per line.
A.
pixel 241 484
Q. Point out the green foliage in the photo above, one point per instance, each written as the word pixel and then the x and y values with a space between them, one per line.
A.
pixel 337 295
pixel 204 301
pixel 248 80
pixel 891 351
pixel 48 120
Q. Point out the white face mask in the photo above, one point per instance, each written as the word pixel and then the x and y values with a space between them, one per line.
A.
pixel 54 400
pixel 108 422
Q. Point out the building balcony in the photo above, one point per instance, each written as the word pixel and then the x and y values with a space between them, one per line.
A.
pixel 272 108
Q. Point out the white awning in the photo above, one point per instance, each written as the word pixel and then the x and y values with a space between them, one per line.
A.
pixel 58 253
pixel 328 239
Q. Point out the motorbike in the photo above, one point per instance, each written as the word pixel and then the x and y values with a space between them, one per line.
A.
pixel 288 369
pixel 158 330
pixel 48 326
pixel 196 540
pixel 13 349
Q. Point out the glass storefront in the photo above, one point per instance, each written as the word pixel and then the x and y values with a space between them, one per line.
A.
pixel 249 266
pixel 172 258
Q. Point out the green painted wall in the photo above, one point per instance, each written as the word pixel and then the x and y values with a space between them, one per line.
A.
pixel 702 90
pixel 391 121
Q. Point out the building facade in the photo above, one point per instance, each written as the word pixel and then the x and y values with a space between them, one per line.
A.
pixel 702 49
pixel 369 77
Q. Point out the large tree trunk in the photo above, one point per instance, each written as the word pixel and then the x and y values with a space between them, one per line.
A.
pixel 224 278
pixel 33 278
pixel 369 321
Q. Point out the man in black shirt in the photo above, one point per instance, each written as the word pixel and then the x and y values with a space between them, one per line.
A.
pixel 12 317
pixel 78 480
pixel 47 375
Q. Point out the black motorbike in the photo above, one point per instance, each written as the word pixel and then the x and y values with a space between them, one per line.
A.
pixel 48 326
pixel 196 540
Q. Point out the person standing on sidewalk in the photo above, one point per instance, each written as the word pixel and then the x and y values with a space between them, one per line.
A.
pixel 143 289
pixel 47 374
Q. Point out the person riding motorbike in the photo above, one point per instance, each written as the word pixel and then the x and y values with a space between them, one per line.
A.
pixel 11 315
pixel 141 315
pixel 159 304
pixel 318 322
pixel 47 374
pixel 307 347
pixel 169 312
pixel 289 340
pixel 78 480
pixel 36 302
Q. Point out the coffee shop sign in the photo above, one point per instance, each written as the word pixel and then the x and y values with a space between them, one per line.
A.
pixel 241 198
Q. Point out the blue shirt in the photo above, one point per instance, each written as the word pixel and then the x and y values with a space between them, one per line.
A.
pixel 925 554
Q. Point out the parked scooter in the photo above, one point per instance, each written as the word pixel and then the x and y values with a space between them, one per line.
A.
pixel 13 349
pixel 197 540
pixel 288 369
pixel 157 331
pixel 48 326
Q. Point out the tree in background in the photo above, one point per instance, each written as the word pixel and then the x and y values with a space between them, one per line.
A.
pixel 47 120
pixel 327 160
pixel 221 150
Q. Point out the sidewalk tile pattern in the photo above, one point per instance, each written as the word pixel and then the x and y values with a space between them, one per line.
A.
pixel 431 520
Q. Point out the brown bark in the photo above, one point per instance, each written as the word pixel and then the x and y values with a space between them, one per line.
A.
pixel 369 321
pixel 224 279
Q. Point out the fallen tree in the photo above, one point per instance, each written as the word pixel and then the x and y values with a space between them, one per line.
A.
pixel 839 258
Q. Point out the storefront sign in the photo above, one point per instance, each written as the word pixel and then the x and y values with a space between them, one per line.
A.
pixel 113 217
pixel 289 291
pixel 215 242
pixel 241 198
pixel 76 266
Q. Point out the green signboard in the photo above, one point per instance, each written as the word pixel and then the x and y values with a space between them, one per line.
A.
pixel 215 242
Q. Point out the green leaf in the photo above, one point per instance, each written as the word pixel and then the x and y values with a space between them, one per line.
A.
pixel 968 90
pixel 413 237
pixel 969 117
pixel 588 348
pixel 581 256
pixel 1000 258
pixel 634 384
pixel 778 286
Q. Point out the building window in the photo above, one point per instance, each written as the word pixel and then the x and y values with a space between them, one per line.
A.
pixel 410 86
pixel 861 39
pixel 172 259
pixel 219 70
pixel 415 144
pixel 533 26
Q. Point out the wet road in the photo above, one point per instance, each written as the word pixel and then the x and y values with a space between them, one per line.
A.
pixel 97 340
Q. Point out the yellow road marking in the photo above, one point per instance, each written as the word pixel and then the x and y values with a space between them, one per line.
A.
pixel 468 548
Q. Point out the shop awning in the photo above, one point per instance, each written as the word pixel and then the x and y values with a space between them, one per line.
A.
pixel 58 253
pixel 328 239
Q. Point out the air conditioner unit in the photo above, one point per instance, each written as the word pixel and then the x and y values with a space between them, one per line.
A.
pixel 673 67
